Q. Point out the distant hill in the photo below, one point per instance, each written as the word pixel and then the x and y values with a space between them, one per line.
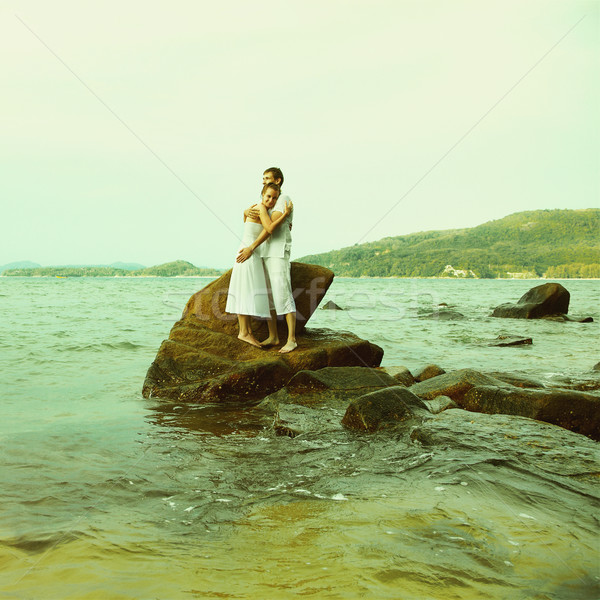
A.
pixel 127 266
pixel 551 243
pixel 178 268
pixel 21 264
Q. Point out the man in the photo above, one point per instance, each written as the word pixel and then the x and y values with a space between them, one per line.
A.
pixel 276 260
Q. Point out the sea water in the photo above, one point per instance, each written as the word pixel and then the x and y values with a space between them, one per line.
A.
pixel 108 495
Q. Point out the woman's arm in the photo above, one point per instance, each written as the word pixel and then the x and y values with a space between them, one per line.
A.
pixel 245 253
pixel 270 223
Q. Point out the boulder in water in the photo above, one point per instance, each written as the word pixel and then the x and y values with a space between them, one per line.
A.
pixel 545 300
pixel 454 384
pixel 577 411
pixel 510 340
pixel 383 409
pixel 331 305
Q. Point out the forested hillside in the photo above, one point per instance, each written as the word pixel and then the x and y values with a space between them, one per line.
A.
pixel 178 268
pixel 554 243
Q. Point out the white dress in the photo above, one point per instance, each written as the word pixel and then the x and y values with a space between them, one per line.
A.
pixel 248 293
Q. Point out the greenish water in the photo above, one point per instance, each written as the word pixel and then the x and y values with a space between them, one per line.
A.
pixel 108 495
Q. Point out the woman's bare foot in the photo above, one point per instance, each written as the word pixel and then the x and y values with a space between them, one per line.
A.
pixel 249 339
pixel 270 341
pixel 288 347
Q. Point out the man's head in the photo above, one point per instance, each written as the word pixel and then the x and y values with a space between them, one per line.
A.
pixel 273 175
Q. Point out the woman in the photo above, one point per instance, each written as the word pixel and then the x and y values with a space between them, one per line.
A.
pixel 248 293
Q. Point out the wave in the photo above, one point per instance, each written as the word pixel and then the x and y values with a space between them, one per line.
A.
pixel 97 347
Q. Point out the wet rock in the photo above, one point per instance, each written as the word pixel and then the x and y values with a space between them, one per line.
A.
pixel 334 386
pixel 596 367
pixel 383 409
pixel 510 340
pixel 576 411
pixel 401 374
pixel 199 364
pixel 454 384
pixel 444 314
pixel 309 284
pixel 439 404
pixel 517 380
pixel 541 301
pixel 568 319
pixel 428 372
pixel 331 306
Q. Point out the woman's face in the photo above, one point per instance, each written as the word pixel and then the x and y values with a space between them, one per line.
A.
pixel 269 198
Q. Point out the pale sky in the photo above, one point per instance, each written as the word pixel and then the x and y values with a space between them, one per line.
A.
pixel 138 131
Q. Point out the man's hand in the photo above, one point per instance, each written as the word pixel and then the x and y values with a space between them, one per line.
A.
pixel 252 213
pixel 244 254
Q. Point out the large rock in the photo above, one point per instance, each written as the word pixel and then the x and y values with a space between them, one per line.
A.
pixel 199 364
pixel 577 411
pixel 454 384
pixel 384 409
pixel 333 385
pixel 549 299
pixel 309 285
pixel 315 401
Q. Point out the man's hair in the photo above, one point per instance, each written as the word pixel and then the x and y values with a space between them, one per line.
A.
pixel 277 174
pixel 273 186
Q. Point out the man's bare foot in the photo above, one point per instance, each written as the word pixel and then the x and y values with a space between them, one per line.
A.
pixel 288 347
pixel 249 339
pixel 270 341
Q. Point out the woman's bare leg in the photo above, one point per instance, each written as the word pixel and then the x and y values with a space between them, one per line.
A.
pixel 291 343
pixel 245 334
pixel 273 338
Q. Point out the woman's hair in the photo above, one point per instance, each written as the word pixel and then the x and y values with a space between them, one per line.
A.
pixel 277 174
pixel 273 186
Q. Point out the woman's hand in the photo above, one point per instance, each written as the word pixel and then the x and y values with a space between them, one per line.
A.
pixel 289 207
pixel 244 254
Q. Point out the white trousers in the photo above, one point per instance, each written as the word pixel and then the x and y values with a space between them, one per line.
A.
pixel 280 284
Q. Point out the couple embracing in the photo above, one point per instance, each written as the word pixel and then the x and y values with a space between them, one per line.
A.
pixel 260 283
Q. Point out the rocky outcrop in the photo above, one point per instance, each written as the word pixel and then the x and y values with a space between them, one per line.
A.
pixel 204 361
pixel 199 364
pixel 549 299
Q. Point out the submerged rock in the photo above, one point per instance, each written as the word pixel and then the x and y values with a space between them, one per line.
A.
pixel 541 301
pixel 510 340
